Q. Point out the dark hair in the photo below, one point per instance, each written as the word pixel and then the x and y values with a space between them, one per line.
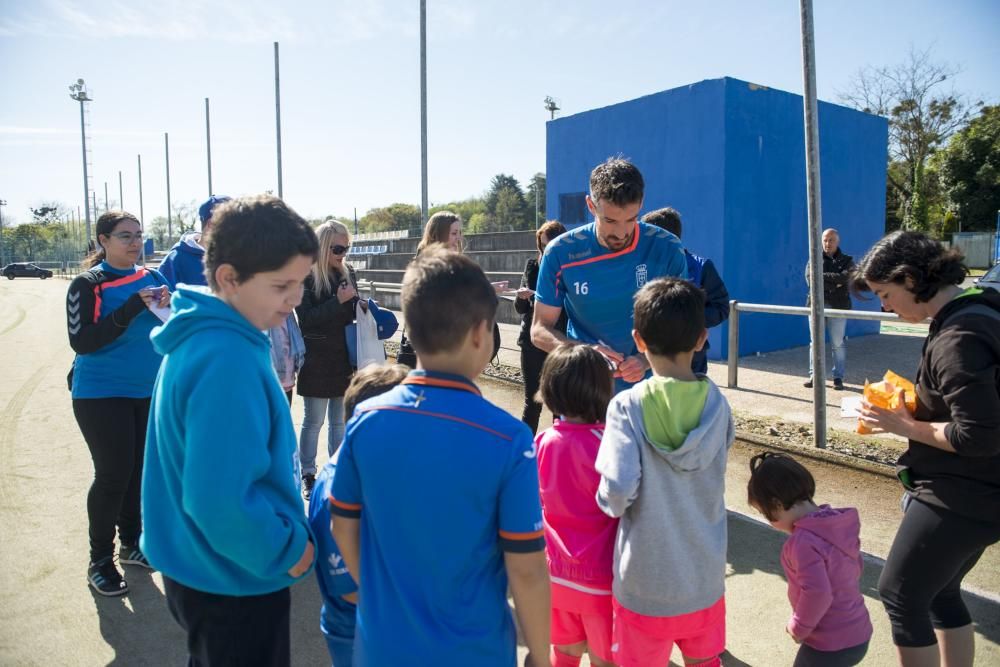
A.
pixel 901 255
pixel 444 294
pixel 549 230
pixel 669 315
pixel 617 181
pixel 106 226
pixel 371 381
pixel 665 218
pixel 778 481
pixel 576 382
pixel 437 229
pixel 254 235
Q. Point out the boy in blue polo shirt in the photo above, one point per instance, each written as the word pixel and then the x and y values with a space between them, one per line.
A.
pixel 340 593
pixel 435 498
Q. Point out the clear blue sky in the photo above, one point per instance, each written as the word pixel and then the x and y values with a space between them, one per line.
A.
pixel 350 87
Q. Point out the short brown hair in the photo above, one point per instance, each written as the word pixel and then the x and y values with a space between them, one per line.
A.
pixel 778 481
pixel 576 382
pixel 665 218
pixel 617 181
pixel 445 294
pixel 549 230
pixel 669 315
pixel 370 381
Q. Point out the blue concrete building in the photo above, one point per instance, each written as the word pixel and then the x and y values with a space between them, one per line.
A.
pixel 730 156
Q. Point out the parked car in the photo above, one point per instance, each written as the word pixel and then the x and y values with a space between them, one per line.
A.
pixel 25 270
pixel 991 278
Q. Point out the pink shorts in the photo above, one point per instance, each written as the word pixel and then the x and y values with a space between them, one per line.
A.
pixel 648 640
pixel 578 617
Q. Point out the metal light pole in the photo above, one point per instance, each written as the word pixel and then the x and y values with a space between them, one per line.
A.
pixel 121 196
pixel 277 115
pixel 3 247
pixel 423 112
pixel 142 217
pixel 816 324
pixel 92 242
pixel 170 224
pixel 208 147
pixel 106 206
pixel 78 92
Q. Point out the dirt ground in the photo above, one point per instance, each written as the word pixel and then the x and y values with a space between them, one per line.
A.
pixel 48 614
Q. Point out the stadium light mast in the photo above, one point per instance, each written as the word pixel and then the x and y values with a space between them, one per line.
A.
pixel 78 92
pixel 552 106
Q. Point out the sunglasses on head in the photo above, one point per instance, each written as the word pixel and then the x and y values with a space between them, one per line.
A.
pixel 339 249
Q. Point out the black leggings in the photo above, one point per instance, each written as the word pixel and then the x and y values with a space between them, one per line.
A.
pixel 115 431
pixel 921 582
pixel 808 656
pixel 531 370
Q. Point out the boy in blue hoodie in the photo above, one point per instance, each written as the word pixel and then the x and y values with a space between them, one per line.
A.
pixel 662 462
pixel 185 263
pixel 224 520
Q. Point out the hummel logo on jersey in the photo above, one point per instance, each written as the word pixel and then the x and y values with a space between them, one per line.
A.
pixel 640 275
pixel 533 453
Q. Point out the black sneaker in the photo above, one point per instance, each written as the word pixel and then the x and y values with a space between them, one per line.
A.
pixel 105 578
pixel 308 482
pixel 132 555
pixel 808 384
pixel 838 384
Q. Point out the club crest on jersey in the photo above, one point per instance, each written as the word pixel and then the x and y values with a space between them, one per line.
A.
pixel 640 275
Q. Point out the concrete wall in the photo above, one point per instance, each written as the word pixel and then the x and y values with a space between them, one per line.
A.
pixel 729 155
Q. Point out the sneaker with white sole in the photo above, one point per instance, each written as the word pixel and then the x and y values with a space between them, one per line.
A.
pixel 104 577
pixel 132 555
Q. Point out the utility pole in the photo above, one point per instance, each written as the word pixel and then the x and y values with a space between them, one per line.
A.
pixel 208 146
pixel 170 223
pixel 277 116
pixel 423 113
pixel 817 327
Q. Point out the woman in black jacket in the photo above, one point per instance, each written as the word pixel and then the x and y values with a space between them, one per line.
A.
pixel 951 469
pixel 327 308
pixel 531 357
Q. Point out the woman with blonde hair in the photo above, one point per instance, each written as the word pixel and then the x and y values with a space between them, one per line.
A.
pixel 328 301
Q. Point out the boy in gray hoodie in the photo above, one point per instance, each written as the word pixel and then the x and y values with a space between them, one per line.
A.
pixel 662 462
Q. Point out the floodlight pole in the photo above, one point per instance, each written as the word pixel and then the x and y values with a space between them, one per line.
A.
pixel 3 249
pixel 208 147
pixel 423 112
pixel 121 196
pixel 816 323
pixel 277 116
pixel 78 92
pixel 142 218
pixel 170 222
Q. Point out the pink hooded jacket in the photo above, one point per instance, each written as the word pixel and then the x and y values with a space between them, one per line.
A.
pixel 579 537
pixel 822 561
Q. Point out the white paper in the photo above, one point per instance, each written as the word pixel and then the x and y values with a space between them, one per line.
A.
pixel 163 312
pixel 850 406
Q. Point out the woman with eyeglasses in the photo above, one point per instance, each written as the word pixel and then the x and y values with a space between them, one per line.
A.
pixel 108 320
pixel 327 308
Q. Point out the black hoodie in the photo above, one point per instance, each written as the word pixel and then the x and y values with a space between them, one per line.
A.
pixel 959 382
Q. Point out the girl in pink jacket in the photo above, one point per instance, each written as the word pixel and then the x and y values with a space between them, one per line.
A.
pixel 822 563
pixel 576 385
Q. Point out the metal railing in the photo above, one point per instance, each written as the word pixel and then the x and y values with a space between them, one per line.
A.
pixel 735 308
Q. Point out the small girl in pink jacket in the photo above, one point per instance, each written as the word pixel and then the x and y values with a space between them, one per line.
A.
pixel 822 562
pixel 576 385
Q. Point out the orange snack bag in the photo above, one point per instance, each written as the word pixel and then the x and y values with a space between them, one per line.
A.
pixel 883 394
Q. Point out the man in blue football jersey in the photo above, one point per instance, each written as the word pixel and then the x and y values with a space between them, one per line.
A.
pixel 593 272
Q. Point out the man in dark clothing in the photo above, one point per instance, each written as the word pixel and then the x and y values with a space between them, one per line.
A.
pixel 837 269
pixel 185 263
pixel 701 272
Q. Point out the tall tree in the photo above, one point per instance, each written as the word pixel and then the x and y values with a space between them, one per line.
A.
pixel 505 204
pixel 923 111
pixel 969 169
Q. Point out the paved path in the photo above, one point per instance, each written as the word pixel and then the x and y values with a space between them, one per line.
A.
pixel 49 616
